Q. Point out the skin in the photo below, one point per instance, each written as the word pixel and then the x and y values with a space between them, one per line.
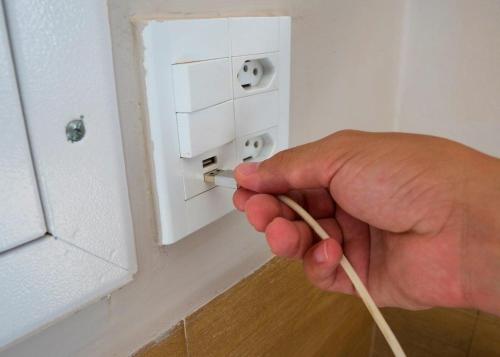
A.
pixel 416 216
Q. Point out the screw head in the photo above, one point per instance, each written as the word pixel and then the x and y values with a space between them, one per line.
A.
pixel 75 130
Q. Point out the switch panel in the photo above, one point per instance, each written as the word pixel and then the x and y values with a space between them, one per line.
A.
pixel 191 81
pixel 217 93
pixel 205 129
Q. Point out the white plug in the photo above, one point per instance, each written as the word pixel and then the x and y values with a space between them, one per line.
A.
pixel 223 178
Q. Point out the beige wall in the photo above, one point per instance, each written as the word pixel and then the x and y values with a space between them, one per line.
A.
pixel 450 83
pixel 343 75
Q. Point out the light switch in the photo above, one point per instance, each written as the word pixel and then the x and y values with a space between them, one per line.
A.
pixel 205 129
pixel 198 85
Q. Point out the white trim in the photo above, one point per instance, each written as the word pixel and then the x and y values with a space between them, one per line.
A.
pixel 65 279
pixel 62 54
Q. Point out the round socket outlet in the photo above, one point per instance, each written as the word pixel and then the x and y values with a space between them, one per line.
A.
pixel 253 147
pixel 250 74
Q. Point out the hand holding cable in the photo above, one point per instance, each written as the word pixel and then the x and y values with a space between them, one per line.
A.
pixel 396 205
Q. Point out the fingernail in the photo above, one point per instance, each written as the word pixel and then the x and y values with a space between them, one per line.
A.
pixel 320 254
pixel 248 168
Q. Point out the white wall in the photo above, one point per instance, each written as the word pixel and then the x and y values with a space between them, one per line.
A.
pixel 344 67
pixel 450 83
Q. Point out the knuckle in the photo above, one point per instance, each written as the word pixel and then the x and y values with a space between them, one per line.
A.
pixel 346 133
pixel 279 159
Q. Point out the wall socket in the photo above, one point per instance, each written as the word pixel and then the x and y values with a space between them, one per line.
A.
pixel 255 74
pixel 217 94
pixel 257 146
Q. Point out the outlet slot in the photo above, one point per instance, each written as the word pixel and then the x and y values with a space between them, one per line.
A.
pixel 193 169
pixel 257 147
pixel 209 161
pixel 256 73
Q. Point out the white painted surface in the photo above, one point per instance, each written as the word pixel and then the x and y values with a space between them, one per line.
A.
pixel 47 279
pixel 256 112
pixel 64 65
pixel 177 136
pixel 62 56
pixel 202 40
pixel 250 35
pixel 349 83
pixel 21 216
pixel 205 129
pixel 451 71
pixel 199 85
pixel 284 61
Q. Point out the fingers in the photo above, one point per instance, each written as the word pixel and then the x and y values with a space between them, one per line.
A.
pixel 295 239
pixel 356 238
pixel 292 239
pixel 240 198
pixel 308 166
pixel 261 209
pixel 349 236
pixel 317 202
pixel 321 262
pixel 289 239
pixel 322 259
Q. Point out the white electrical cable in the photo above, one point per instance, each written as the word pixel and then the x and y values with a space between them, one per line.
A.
pixel 353 276
pixel 225 178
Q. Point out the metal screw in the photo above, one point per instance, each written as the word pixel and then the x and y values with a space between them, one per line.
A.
pixel 75 130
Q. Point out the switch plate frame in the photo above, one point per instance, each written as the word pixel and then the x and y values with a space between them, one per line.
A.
pixel 177 217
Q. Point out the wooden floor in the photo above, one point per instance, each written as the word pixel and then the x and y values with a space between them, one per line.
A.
pixel 276 312
pixel 442 332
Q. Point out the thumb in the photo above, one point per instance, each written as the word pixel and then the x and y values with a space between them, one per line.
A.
pixel 311 165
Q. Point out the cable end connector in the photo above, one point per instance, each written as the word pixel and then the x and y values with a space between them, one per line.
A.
pixel 223 178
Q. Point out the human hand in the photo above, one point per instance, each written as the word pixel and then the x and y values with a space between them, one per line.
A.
pixel 414 214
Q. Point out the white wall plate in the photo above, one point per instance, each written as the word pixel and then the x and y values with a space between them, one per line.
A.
pixel 258 50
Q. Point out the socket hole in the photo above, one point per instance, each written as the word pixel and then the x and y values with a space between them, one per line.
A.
pixel 209 161
pixel 257 147
pixel 256 73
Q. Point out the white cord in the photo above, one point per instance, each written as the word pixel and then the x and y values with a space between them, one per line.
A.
pixel 225 178
pixel 353 276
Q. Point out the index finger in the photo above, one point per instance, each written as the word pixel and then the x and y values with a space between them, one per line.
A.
pixel 311 165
